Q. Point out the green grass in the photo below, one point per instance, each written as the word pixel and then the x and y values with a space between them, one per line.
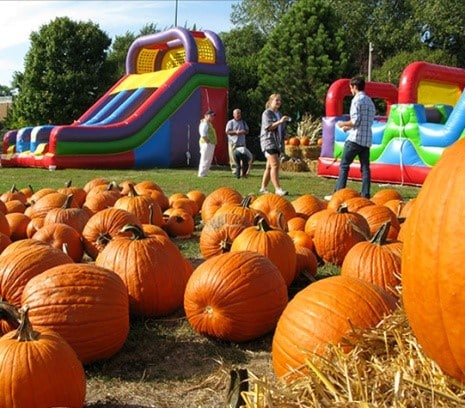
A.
pixel 182 180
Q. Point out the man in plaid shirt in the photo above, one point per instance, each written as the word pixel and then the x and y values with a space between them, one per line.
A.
pixel 359 140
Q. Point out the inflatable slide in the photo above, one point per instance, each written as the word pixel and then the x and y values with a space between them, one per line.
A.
pixel 148 119
pixel 423 116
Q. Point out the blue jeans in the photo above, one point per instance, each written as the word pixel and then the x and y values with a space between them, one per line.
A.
pixel 352 150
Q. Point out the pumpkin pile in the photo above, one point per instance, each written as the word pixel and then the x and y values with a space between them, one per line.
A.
pixel 85 261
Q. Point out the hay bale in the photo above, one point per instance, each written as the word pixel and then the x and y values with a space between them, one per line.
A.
pixel 294 165
pixel 311 152
pixel 293 152
pixel 312 165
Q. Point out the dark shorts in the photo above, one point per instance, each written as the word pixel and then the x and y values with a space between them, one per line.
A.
pixel 272 151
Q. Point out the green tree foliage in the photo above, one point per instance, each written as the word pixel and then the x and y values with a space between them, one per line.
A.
pixel 392 69
pixel 264 15
pixel 242 47
pixel 302 57
pixel 65 72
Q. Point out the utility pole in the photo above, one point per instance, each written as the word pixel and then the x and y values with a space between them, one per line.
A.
pixel 370 50
pixel 176 13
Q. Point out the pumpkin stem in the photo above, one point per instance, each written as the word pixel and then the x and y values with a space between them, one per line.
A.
pixel 13 188
pixel 246 201
pixel 103 239
pixel 381 235
pixel 343 208
pixel 136 231
pixel 356 228
pixel 9 313
pixel 68 201
pixel 132 191
pixel 68 183
pixel 25 331
pixel 263 225
pixel 282 222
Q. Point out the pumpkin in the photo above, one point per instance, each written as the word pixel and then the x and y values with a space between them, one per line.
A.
pixel 314 219
pixel 44 204
pixel 296 224
pixel 433 281
pixel 273 243
pixel 179 223
pixel 376 261
pixel 39 194
pixel 39 369
pixel 219 233
pixel 384 195
pixel 78 193
pixel 15 206
pixel 152 268
pixel 66 214
pixel 307 204
pixel 324 313
pixel 100 199
pixel 21 261
pixel 103 226
pixel 98 181
pixel 86 304
pixel 341 196
pixel 235 296
pixel 63 237
pixel 355 203
pixel 145 208
pixel 197 196
pixel 337 232
pixel 306 260
pixel 216 199
pixel 277 210
pixel 13 194
pixel 243 209
pixel 376 215
pixel 18 223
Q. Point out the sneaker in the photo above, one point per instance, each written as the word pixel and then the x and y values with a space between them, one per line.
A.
pixel 328 197
pixel 281 192
pixel 264 191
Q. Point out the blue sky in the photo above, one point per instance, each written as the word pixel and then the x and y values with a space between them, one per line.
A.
pixel 19 18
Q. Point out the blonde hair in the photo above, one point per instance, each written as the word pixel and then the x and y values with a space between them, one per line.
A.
pixel 272 96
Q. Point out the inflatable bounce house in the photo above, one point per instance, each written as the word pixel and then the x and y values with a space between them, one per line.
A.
pixel 423 116
pixel 148 119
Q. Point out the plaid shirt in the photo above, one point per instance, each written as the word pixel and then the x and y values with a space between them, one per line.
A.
pixel 362 114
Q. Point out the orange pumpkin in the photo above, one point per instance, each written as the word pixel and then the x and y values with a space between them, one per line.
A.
pixel 236 296
pixel 179 223
pixel 432 263
pixel 323 313
pixel 86 304
pixel 277 210
pixel 216 199
pixel 337 232
pixel 42 362
pixel 273 243
pixel 377 261
pixel 152 268
pixel 219 233
pixel 307 204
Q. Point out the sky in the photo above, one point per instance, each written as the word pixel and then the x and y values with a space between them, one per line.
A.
pixel 18 19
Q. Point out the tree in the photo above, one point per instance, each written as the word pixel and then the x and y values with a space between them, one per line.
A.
pixel 302 57
pixel 65 72
pixel 265 15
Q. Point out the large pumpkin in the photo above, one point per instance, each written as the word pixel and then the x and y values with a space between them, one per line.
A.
pixel 274 243
pixel 86 304
pixel 337 232
pixel 433 258
pixel 235 296
pixel 324 313
pixel 39 369
pixel 152 268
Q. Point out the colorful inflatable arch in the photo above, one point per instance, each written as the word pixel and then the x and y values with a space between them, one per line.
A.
pixel 424 116
pixel 149 118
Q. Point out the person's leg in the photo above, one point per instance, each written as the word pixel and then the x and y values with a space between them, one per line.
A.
pixel 232 161
pixel 202 161
pixel 266 173
pixel 364 156
pixel 348 156
pixel 209 152
pixel 237 161
pixel 244 164
pixel 249 160
pixel 274 170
